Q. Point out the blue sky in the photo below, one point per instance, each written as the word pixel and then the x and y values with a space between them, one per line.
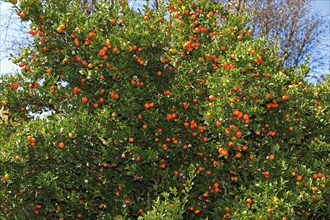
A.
pixel 321 6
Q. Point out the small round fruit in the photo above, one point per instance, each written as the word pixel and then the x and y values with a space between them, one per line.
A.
pixel 61 145
pixel 84 99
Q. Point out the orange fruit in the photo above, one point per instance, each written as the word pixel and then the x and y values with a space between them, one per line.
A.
pixel 84 99
pixel 21 64
pixel 4 102
pixel 223 151
pixel 249 200
pixel 197 211
pixel 91 34
pixel 59 30
pixel 61 145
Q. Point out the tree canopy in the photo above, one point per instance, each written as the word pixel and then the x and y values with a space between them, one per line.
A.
pixel 175 113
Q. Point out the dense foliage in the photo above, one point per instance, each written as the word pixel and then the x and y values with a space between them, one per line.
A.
pixel 178 113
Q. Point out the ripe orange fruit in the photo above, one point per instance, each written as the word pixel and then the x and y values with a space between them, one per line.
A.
pixel 246 117
pixel 205 195
pixel 249 200
pixel 61 145
pixel 197 211
pixel 211 97
pixel 38 206
pixel 271 157
pixel 84 99
pixel 21 64
pixel 22 14
pixel 4 102
pixel 230 143
pixel 223 151
pixel 131 140
pixel 113 21
pixel 91 34
pixel 59 30
pixel 32 140
pixel 245 148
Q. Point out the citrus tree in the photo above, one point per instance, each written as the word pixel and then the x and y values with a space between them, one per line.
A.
pixel 176 113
